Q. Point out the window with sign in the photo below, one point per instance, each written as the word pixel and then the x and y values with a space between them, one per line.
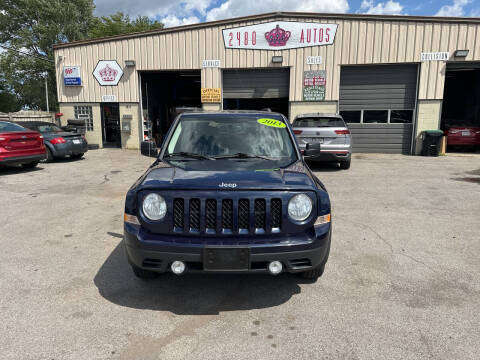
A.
pixel 84 113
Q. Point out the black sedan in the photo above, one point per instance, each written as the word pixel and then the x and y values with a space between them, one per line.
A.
pixel 58 142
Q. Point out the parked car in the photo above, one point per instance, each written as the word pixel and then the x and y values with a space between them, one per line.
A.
pixel 463 136
pixel 59 143
pixel 229 192
pixel 330 131
pixel 19 145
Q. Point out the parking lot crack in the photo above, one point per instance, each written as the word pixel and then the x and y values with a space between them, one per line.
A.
pixel 390 246
pixel 106 179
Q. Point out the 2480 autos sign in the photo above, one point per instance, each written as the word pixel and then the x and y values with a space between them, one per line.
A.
pixel 278 35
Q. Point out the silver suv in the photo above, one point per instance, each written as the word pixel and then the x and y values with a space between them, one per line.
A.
pixel 330 131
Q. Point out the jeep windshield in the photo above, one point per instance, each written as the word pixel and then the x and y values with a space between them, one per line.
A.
pixel 256 138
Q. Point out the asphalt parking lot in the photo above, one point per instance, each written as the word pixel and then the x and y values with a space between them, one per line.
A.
pixel 402 282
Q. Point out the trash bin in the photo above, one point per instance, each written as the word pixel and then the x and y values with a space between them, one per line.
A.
pixel 431 142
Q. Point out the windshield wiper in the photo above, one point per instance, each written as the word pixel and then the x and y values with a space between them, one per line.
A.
pixel 189 155
pixel 244 156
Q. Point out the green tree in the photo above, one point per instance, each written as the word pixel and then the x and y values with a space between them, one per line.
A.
pixel 9 102
pixel 32 27
pixel 120 23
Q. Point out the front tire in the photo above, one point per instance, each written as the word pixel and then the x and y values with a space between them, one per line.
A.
pixel 144 274
pixel 313 274
pixel 30 165
pixel 345 165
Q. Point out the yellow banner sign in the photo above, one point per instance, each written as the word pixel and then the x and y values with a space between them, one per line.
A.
pixel 211 95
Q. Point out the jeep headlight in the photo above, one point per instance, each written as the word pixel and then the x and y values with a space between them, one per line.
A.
pixel 300 207
pixel 154 207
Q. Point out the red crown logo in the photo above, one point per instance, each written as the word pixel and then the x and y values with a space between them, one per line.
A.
pixel 108 74
pixel 277 36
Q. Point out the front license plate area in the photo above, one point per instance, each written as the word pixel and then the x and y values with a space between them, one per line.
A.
pixel 226 259
pixel 466 133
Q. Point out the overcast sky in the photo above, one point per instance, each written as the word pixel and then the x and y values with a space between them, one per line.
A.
pixel 173 13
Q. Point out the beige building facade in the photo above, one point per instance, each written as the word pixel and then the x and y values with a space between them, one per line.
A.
pixel 377 53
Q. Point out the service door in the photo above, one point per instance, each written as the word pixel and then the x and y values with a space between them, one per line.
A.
pixel 378 103
pixel 111 125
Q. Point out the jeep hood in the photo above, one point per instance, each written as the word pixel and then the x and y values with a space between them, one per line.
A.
pixel 165 176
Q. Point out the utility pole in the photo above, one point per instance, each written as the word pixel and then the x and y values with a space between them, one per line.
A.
pixel 46 91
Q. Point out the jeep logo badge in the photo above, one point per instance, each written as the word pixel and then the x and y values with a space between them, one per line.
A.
pixel 227 185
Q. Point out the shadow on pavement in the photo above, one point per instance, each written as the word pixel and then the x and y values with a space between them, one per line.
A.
pixel 66 159
pixel 323 166
pixel 13 170
pixel 193 294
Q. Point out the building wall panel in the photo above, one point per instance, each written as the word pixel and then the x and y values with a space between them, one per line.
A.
pixel 358 41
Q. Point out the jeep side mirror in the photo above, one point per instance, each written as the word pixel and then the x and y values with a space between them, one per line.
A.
pixel 312 149
pixel 149 148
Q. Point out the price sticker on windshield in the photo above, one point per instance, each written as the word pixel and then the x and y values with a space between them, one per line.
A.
pixel 272 123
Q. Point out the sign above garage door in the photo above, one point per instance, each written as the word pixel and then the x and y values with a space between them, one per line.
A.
pixel 278 35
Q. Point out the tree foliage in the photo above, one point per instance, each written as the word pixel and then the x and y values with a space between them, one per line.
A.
pixel 9 102
pixel 120 23
pixel 34 26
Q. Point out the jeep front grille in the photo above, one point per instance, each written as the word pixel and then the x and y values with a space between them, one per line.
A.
pixel 260 215
pixel 234 216
pixel 227 215
pixel 276 213
pixel 243 215
pixel 211 215
pixel 178 214
pixel 194 215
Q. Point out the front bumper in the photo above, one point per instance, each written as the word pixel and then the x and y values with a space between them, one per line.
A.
pixel 297 253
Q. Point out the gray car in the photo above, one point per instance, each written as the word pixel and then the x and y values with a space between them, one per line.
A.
pixel 330 131
pixel 59 143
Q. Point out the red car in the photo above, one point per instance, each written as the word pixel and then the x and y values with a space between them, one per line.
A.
pixel 463 136
pixel 20 146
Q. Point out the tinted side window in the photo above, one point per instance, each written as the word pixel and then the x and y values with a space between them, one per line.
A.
pixel 48 128
pixel 351 117
pixel 10 127
pixel 401 116
pixel 375 116
pixel 319 122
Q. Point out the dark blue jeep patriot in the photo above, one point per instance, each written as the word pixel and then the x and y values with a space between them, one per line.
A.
pixel 229 192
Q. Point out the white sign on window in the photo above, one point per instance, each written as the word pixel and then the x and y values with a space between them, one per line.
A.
pixel 278 35
pixel 314 60
pixel 109 98
pixel 434 56
pixel 210 63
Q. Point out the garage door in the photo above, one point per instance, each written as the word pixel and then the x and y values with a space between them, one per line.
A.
pixel 255 83
pixel 378 103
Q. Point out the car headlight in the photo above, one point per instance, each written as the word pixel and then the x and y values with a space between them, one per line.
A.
pixel 300 207
pixel 154 207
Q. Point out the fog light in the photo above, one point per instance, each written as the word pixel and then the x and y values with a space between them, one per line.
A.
pixel 275 267
pixel 178 267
